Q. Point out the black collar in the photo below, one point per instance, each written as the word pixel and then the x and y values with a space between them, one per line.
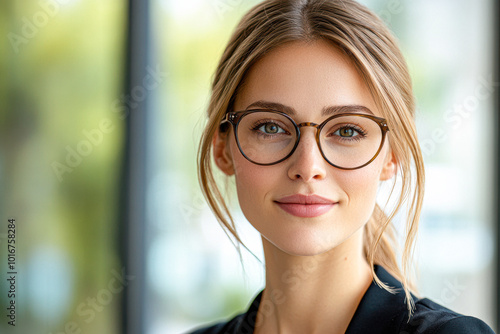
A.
pixel 379 310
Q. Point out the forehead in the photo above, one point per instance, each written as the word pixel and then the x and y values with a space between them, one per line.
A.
pixel 308 77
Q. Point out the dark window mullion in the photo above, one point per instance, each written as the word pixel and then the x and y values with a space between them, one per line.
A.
pixel 135 167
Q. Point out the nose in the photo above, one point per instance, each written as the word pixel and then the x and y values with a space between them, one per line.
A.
pixel 306 162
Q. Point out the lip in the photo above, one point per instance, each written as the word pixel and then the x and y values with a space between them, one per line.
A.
pixel 307 206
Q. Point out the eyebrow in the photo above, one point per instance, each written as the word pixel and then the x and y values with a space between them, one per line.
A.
pixel 326 111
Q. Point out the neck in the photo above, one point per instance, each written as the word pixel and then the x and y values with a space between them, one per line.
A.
pixel 313 294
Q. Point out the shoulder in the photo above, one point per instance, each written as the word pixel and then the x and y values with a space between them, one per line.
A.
pixel 432 318
pixel 382 312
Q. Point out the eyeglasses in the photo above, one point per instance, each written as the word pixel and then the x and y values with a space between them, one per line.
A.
pixel 346 141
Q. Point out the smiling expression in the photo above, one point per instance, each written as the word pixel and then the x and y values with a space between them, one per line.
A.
pixel 303 205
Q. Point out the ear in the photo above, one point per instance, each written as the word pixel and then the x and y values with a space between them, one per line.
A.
pixel 389 168
pixel 222 154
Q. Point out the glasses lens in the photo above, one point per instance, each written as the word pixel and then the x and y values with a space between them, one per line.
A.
pixel 266 137
pixel 350 141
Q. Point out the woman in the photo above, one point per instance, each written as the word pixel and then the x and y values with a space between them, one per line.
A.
pixel 311 109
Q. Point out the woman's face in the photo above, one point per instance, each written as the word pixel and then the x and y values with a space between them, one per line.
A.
pixel 306 78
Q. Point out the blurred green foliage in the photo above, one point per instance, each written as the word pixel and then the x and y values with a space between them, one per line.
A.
pixel 60 71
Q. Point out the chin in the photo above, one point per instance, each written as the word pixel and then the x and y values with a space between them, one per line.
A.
pixel 304 244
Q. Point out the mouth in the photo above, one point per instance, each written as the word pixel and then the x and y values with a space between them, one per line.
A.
pixel 306 206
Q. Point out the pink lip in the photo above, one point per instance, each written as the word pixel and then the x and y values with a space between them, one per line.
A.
pixel 305 205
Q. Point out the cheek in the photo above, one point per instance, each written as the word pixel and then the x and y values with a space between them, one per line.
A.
pixel 360 187
pixel 253 183
pixel 244 170
pixel 254 186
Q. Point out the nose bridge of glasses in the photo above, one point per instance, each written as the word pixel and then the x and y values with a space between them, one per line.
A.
pixel 311 124
pixel 300 125
pixel 308 124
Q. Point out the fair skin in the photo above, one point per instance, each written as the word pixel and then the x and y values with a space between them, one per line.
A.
pixel 316 271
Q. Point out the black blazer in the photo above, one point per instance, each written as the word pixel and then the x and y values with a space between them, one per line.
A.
pixel 379 312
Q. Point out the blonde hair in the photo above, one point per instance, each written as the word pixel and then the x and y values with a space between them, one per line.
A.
pixel 374 51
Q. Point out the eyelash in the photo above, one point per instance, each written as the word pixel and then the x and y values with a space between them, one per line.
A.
pixel 356 128
pixel 361 133
pixel 256 127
